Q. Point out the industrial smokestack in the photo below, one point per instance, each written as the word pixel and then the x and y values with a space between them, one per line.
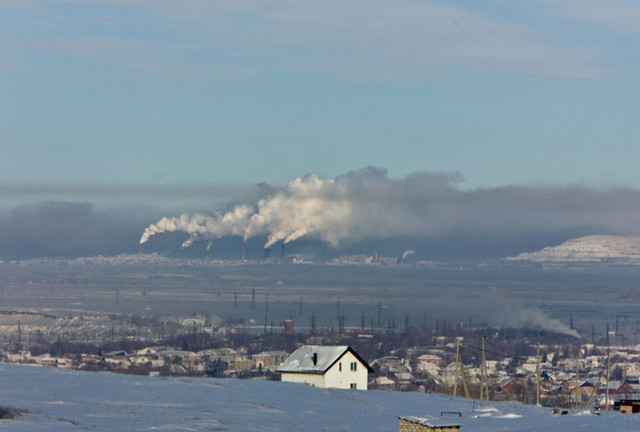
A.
pixel 267 253
pixel 243 247
pixel 140 249
pixel 288 326
pixel 282 250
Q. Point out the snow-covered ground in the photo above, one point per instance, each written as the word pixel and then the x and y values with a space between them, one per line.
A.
pixel 63 400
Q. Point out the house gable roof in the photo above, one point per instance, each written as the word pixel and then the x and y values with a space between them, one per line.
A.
pixel 301 360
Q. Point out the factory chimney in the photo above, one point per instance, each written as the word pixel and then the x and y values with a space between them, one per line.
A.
pixel 288 326
pixel 282 250
pixel 243 247
pixel 267 253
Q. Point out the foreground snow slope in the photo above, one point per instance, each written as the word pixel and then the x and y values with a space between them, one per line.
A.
pixel 63 400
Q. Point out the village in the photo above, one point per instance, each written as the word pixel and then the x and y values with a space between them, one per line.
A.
pixel 476 362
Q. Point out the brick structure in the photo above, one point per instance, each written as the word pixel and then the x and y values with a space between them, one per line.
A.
pixel 422 424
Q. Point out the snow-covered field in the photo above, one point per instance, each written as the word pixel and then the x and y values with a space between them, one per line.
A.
pixel 63 400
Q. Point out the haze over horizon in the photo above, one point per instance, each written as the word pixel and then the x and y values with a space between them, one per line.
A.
pixel 358 212
pixel 515 119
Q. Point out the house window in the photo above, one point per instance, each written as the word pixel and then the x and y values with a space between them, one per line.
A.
pixel 354 366
pixel 353 386
pixel 339 367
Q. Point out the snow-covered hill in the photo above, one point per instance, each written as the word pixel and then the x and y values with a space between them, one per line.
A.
pixel 63 400
pixel 590 249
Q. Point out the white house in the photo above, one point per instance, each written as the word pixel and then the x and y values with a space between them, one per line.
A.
pixel 326 367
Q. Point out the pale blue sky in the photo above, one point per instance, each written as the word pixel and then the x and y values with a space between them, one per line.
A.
pixel 157 92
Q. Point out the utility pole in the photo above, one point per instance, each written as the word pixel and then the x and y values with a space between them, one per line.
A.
pixel 265 322
pixel 595 389
pixel 460 373
pixel 571 320
pixel 455 382
pixel 538 377
pixel 576 386
pixel 606 389
pixel 483 376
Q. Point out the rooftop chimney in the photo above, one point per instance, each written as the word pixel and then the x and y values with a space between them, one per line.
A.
pixel 315 358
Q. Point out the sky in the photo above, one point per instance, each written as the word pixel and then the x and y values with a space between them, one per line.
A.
pixel 165 107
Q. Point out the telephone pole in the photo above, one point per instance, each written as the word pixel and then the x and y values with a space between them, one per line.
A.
pixel 538 377
pixel 484 386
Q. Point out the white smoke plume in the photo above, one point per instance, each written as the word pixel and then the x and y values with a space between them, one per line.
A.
pixel 201 227
pixel 407 253
pixel 368 204
pixel 345 209
pixel 536 319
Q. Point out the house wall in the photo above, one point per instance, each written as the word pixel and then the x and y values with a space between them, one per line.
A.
pixel 336 378
pixel 315 380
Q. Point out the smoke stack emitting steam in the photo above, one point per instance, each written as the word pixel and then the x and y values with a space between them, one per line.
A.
pixel 345 209
pixel 367 204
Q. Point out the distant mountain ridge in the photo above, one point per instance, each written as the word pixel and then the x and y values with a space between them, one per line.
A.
pixel 589 249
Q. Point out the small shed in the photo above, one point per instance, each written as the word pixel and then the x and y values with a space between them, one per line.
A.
pixel 629 406
pixel 422 424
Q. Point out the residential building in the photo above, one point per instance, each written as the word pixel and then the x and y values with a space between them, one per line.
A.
pixel 326 367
